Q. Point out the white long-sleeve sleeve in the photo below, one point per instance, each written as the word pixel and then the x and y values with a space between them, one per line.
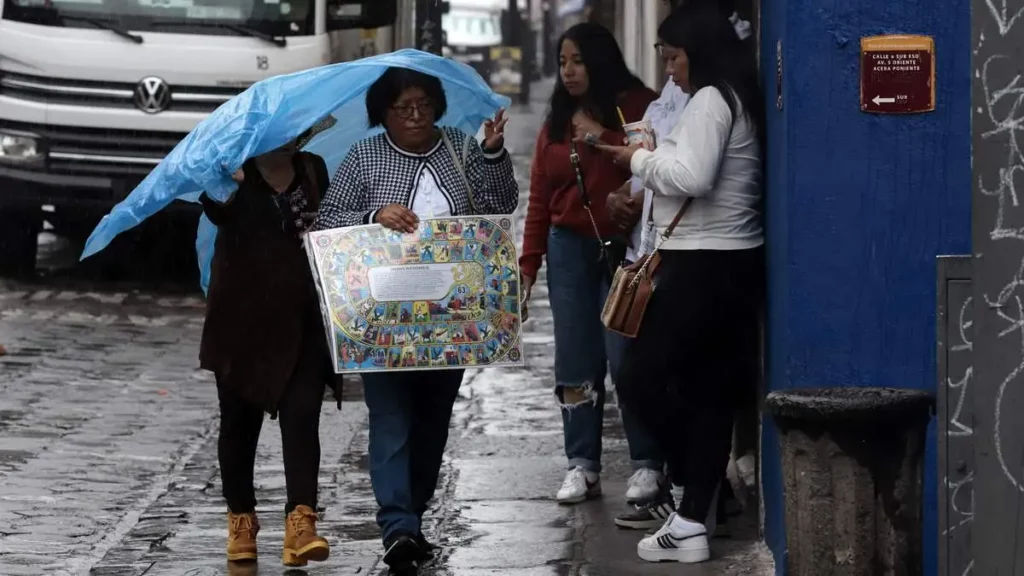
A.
pixel 688 161
pixel 664 115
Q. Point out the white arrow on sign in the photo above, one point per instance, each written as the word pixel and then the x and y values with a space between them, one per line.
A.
pixel 879 100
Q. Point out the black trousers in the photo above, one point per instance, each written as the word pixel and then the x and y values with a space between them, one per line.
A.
pixel 689 364
pixel 299 417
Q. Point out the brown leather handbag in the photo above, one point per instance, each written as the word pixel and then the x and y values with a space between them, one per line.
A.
pixel 633 285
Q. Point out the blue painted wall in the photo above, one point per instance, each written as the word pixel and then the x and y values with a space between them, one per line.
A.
pixel 858 207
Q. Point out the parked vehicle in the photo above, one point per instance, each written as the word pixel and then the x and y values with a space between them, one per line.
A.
pixel 473 23
pixel 94 93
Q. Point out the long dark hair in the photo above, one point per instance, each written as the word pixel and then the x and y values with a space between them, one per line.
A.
pixel 717 56
pixel 609 77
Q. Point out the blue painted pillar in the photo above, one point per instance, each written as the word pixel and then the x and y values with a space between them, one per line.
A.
pixel 858 207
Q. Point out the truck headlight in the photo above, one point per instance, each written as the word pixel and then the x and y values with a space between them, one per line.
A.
pixel 19 148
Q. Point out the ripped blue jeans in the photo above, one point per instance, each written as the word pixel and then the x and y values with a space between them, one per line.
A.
pixel 584 352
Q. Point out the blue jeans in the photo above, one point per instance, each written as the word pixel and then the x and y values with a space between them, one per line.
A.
pixel 409 413
pixel 584 352
pixel 643 448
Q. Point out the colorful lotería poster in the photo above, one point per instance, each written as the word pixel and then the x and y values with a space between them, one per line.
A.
pixel 445 296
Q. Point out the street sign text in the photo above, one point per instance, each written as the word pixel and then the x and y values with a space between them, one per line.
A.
pixel 897 74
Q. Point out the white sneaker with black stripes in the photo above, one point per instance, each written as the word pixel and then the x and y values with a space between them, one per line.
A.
pixel 679 540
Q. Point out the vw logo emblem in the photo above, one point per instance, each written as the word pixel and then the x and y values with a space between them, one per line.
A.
pixel 152 95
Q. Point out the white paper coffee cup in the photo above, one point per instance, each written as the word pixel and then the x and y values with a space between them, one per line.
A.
pixel 641 133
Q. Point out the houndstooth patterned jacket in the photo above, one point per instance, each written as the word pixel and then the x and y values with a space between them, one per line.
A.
pixel 377 172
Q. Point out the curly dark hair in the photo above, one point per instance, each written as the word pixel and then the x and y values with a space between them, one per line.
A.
pixel 383 93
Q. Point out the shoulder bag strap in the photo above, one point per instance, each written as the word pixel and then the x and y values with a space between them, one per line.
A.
pixel 648 261
pixel 675 221
pixel 461 166
pixel 574 157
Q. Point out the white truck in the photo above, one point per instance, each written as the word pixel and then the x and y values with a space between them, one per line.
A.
pixel 474 33
pixel 474 23
pixel 94 93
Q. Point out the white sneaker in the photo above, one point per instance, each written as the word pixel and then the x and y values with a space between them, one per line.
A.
pixel 578 486
pixel 677 496
pixel 679 540
pixel 644 485
pixel 746 468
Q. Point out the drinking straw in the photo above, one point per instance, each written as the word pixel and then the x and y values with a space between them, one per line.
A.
pixel 621 117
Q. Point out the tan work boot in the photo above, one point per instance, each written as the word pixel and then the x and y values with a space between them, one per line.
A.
pixel 242 531
pixel 301 543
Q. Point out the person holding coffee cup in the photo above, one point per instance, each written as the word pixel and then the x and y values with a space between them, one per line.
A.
pixel 630 207
pixel 687 365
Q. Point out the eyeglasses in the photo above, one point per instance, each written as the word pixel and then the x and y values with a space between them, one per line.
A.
pixel 406 111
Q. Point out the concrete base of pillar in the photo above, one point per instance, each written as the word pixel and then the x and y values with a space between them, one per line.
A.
pixel 852 472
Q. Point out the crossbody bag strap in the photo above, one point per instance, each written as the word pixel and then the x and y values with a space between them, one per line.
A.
pixel 649 258
pixel 465 162
pixel 675 221
pixel 461 166
pixel 574 157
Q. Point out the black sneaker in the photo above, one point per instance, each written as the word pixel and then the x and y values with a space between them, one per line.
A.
pixel 410 569
pixel 427 548
pixel 648 516
pixel 400 550
pixel 722 530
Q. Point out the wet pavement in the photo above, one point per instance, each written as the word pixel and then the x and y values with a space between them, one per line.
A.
pixel 108 450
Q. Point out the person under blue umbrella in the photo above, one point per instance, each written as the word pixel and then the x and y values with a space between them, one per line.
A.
pixel 252 228
pixel 414 169
pixel 264 342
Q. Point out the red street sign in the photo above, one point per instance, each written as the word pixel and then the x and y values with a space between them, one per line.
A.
pixel 897 74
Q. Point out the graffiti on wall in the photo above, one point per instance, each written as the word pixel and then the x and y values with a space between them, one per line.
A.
pixel 997 379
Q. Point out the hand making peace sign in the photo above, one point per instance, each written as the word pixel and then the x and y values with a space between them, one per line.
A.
pixel 494 131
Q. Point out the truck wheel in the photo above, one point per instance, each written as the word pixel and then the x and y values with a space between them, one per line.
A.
pixel 19 239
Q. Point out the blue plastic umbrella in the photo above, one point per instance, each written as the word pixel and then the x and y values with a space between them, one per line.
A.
pixel 274 112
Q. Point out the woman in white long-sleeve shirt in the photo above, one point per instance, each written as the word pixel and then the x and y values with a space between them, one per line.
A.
pixel 631 208
pixel 686 364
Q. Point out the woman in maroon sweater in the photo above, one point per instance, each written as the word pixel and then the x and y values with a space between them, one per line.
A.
pixel 593 85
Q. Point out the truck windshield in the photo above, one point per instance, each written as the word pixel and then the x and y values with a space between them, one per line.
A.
pixel 270 18
pixel 472 27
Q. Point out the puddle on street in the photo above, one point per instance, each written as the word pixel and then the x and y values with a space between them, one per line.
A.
pixel 11 459
pixel 8 417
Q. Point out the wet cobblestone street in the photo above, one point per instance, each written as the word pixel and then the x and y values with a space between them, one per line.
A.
pixel 108 465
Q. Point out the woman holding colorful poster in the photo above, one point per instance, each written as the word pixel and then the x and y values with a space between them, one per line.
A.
pixel 414 169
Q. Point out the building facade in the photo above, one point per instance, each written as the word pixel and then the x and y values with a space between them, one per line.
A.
pixel 859 205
